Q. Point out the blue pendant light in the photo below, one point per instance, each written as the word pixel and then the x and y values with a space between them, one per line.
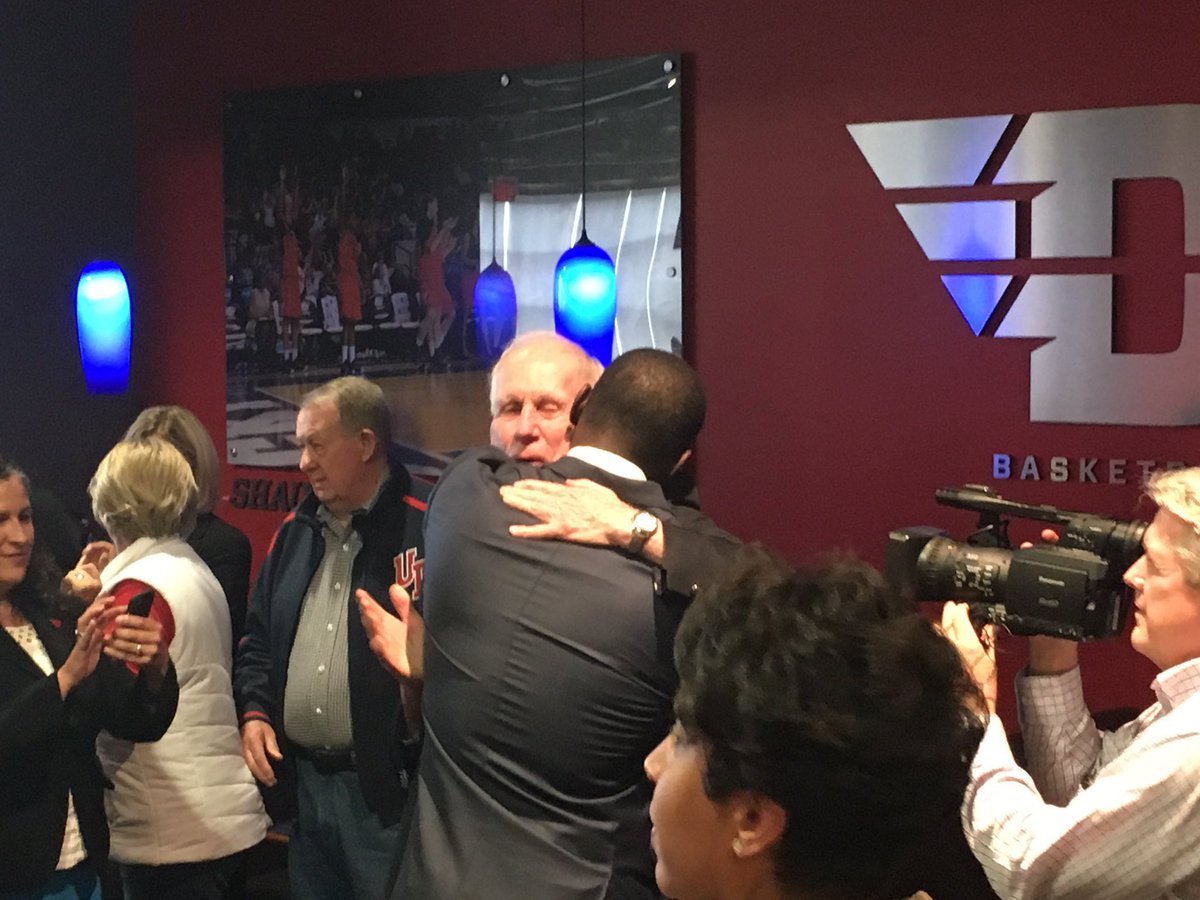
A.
pixel 495 298
pixel 585 298
pixel 495 311
pixel 103 322
pixel 585 280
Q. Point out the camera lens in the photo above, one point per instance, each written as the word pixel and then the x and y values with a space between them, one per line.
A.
pixel 1124 546
pixel 1118 542
pixel 947 568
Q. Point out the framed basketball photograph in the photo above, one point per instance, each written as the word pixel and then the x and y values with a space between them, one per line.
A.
pixel 408 230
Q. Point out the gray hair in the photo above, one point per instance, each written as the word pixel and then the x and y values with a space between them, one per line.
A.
pixel 359 403
pixel 1178 492
pixel 587 369
pixel 189 437
pixel 9 469
pixel 144 488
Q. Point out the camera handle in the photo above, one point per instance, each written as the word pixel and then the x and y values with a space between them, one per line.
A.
pixel 990 531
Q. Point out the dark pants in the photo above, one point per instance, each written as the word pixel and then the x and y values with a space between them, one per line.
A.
pixel 206 880
pixel 339 849
pixel 79 883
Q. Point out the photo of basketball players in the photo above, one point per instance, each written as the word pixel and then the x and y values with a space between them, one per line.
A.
pixel 359 217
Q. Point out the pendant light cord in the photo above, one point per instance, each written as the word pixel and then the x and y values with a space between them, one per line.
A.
pixel 583 113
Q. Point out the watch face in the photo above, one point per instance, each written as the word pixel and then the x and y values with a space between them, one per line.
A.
pixel 645 523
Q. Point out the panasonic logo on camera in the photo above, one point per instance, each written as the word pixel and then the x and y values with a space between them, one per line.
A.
pixel 1042 579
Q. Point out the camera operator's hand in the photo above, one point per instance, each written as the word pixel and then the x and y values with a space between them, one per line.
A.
pixel 1048 535
pixel 978 651
pixel 1049 655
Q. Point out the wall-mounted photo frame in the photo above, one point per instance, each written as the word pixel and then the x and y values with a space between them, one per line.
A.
pixel 359 218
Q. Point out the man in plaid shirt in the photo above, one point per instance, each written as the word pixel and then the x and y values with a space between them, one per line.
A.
pixel 1100 815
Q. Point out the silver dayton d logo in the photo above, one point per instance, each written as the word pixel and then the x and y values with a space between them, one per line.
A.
pixel 1040 188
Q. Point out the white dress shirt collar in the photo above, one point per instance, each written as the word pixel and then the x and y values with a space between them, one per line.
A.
pixel 608 461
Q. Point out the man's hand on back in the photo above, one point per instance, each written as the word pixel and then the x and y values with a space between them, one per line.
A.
pixel 580 511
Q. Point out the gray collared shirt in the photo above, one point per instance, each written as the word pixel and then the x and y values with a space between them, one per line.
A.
pixel 316 701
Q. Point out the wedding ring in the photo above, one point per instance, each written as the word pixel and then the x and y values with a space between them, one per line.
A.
pixel 138 651
pixel 79 576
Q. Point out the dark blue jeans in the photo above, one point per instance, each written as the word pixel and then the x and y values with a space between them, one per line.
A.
pixel 79 883
pixel 206 880
pixel 339 849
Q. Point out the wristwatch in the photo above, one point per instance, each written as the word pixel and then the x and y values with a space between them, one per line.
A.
pixel 645 524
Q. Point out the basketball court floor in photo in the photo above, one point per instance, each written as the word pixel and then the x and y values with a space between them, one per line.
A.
pixel 433 416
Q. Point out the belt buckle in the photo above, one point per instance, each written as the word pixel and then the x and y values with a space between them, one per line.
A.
pixel 329 762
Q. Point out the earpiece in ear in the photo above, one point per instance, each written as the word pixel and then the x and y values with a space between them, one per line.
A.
pixel 579 403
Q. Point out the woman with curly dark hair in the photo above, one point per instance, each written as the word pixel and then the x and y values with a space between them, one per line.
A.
pixel 65 674
pixel 823 729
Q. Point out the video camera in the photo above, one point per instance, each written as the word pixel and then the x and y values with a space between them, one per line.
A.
pixel 1071 590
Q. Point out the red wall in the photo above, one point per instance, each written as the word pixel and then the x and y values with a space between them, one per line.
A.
pixel 844 386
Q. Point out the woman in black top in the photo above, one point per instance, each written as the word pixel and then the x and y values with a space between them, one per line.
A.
pixel 65 674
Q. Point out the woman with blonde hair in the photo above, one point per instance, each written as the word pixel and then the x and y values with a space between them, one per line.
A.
pixel 183 811
pixel 224 548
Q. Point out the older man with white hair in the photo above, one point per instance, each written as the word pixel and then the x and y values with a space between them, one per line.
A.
pixel 1101 815
pixel 531 390
pixel 536 390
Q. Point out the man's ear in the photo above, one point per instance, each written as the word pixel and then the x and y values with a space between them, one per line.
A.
pixel 368 444
pixel 758 824
pixel 577 405
pixel 679 463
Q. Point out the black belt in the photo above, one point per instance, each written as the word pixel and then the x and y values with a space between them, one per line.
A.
pixel 329 762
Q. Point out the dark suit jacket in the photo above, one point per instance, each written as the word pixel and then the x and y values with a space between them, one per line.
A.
pixel 549 677
pixel 226 551
pixel 48 745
